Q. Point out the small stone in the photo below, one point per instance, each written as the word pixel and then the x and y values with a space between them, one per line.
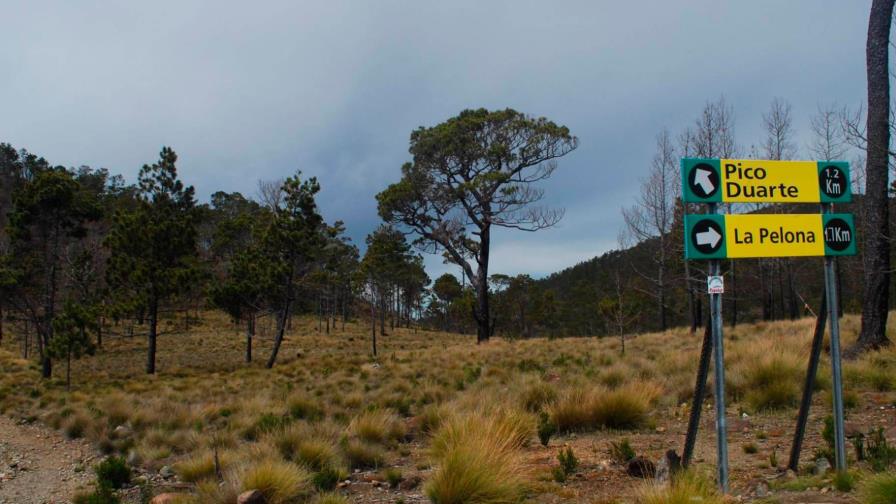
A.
pixel 822 466
pixel 790 474
pixel 761 490
pixel 251 497
pixel 166 472
pixel 640 467
pixel 167 498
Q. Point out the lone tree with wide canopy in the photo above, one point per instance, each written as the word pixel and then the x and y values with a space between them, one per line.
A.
pixel 470 174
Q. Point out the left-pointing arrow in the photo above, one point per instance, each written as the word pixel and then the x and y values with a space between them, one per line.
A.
pixel 701 178
pixel 709 237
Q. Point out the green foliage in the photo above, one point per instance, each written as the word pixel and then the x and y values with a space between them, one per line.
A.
pixel 327 478
pixel 844 481
pixel 568 461
pixel 622 451
pixel 878 489
pixel 879 454
pixel 113 472
pixel 546 428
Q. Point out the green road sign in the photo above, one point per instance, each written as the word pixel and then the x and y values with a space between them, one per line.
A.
pixel 717 236
pixel 762 181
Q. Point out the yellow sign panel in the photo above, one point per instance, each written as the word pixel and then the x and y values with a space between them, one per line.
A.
pixel 774 235
pixel 744 181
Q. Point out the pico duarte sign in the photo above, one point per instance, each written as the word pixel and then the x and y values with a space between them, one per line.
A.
pixel 761 181
pixel 717 236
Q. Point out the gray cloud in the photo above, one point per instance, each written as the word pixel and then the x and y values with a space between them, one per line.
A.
pixel 246 91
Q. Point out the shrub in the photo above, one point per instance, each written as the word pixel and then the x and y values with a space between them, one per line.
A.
pixel 546 428
pixel 879 453
pixel 113 472
pixel 568 460
pixel 750 448
pixel 622 451
pixel 378 426
pixel 327 478
pixel 279 482
pixel 688 487
pixel 844 481
pixel 878 489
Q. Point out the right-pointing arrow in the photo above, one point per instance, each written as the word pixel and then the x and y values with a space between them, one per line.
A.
pixel 709 237
pixel 701 178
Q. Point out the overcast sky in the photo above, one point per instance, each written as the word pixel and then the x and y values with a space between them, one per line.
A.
pixel 250 90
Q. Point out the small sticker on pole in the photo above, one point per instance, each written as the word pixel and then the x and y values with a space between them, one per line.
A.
pixel 715 284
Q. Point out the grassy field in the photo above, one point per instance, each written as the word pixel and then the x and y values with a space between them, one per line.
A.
pixel 439 419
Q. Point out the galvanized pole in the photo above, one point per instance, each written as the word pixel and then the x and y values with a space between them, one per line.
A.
pixel 715 306
pixel 830 284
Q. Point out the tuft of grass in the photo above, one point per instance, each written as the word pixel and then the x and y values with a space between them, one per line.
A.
pixel 625 407
pixel 362 455
pixel 750 448
pixel 279 482
pixel 378 426
pixel 537 394
pixel 546 428
pixel 302 406
pixel 202 466
pixel 772 383
pixel 393 476
pixel 330 498
pixel 688 487
pixel 878 489
pixel 477 460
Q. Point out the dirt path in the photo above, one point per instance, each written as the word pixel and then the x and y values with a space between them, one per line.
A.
pixel 39 465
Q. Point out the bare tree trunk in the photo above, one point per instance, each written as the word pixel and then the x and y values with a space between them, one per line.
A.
pixel 151 338
pixel 876 295
pixel 250 331
pixel 281 329
pixel 373 325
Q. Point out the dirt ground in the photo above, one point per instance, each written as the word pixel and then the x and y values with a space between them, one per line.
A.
pixel 39 465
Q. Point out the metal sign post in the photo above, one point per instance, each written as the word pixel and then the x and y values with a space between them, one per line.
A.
pixel 830 285
pixel 715 307
pixel 713 237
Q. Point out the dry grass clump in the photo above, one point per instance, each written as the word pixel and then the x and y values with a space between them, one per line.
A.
pixel 378 426
pixel 582 409
pixel 688 487
pixel 302 406
pixel 202 466
pixel 363 455
pixel 478 462
pixel 280 482
pixel 771 382
pixel 330 498
pixel 537 394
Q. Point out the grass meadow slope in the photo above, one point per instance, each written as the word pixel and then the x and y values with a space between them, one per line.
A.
pixel 439 419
